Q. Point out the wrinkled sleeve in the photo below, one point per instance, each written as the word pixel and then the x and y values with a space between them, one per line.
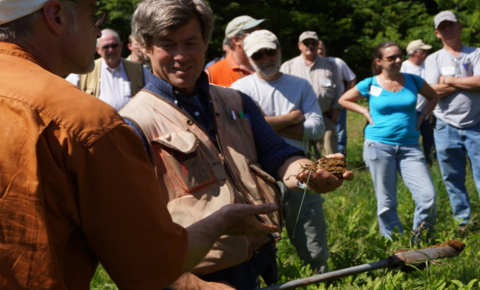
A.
pixel 432 71
pixel 123 215
pixel 313 126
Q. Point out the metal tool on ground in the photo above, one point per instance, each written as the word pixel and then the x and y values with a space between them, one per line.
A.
pixel 444 250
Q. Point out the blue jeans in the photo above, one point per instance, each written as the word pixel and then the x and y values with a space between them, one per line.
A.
pixel 342 132
pixel 383 161
pixel 310 236
pixel 453 145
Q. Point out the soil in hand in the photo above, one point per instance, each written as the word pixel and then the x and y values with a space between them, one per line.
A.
pixel 335 166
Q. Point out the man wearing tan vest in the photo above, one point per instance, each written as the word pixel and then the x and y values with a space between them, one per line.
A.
pixel 114 80
pixel 210 145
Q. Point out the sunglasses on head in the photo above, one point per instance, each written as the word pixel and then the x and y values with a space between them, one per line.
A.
pixel 393 57
pixel 259 54
pixel 310 42
pixel 113 46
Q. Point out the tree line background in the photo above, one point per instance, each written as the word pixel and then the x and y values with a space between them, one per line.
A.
pixel 349 28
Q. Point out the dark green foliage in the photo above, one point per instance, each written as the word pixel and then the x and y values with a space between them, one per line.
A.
pixel 350 28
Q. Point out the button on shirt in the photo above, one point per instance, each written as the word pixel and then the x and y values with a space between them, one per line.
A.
pixel 115 87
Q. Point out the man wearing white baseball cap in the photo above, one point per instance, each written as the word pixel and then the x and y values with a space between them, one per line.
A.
pixel 454 73
pixel 291 108
pixel 76 187
pixel 235 65
pixel 417 51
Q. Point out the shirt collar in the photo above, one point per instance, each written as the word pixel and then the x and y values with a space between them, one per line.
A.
pixel 118 68
pixel 166 90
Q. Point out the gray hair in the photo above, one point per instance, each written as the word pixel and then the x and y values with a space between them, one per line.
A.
pixel 157 18
pixel 109 31
pixel 19 28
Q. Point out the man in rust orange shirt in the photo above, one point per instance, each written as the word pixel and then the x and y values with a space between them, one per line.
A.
pixel 76 187
pixel 235 65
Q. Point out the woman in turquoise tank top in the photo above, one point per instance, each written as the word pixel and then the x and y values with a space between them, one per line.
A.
pixel 392 138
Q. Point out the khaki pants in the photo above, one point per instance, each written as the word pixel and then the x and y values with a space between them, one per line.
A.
pixel 329 143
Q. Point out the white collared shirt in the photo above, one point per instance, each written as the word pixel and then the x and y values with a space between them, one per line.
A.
pixel 115 86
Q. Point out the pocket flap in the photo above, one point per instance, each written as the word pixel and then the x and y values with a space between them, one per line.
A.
pixel 183 141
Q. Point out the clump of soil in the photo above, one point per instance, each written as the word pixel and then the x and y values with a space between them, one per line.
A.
pixel 335 166
pixel 457 245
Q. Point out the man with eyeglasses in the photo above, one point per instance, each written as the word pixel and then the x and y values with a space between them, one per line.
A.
pixel 76 187
pixel 114 80
pixel 235 65
pixel 454 73
pixel 291 108
pixel 323 75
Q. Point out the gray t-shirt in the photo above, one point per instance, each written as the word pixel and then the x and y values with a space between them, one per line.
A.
pixel 323 76
pixel 461 109
pixel 283 95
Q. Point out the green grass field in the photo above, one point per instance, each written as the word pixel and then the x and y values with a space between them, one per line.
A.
pixel 354 237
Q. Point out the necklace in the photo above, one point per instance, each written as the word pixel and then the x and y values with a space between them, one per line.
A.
pixel 385 81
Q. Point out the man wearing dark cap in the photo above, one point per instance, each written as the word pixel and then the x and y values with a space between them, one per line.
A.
pixel 454 73
pixel 235 65
pixel 323 75
pixel 76 187
pixel 417 51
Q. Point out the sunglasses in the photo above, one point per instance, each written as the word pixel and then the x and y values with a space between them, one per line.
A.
pixel 394 57
pixel 259 54
pixel 100 18
pixel 112 46
pixel 310 42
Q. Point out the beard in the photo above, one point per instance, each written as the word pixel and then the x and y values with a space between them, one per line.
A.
pixel 268 69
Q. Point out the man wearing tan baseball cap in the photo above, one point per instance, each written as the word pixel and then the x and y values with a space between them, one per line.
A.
pixel 235 65
pixel 417 51
pixel 76 187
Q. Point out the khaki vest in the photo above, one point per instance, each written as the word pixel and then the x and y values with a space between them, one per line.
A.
pixel 90 83
pixel 197 177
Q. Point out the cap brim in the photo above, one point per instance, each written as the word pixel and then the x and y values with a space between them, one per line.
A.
pixel 260 45
pixel 262 23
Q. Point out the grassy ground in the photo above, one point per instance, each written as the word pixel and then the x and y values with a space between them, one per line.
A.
pixel 354 239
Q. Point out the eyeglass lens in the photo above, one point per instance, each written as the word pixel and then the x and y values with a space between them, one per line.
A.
pixel 259 54
pixel 113 46
pixel 310 42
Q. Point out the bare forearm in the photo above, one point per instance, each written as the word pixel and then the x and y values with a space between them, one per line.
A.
pixel 201 236
pixel 466 83
pixel 444 90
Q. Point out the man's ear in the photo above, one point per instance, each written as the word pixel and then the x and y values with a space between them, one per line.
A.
pixel 56 16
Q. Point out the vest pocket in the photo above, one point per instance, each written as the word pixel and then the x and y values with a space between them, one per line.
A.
pixel 186 166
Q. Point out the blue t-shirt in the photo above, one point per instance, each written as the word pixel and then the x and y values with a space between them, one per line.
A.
pixel 393 114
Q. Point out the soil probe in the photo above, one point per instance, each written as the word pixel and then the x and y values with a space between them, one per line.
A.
pixel 444 250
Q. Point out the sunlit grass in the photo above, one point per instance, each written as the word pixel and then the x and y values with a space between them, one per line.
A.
pixel 354 237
